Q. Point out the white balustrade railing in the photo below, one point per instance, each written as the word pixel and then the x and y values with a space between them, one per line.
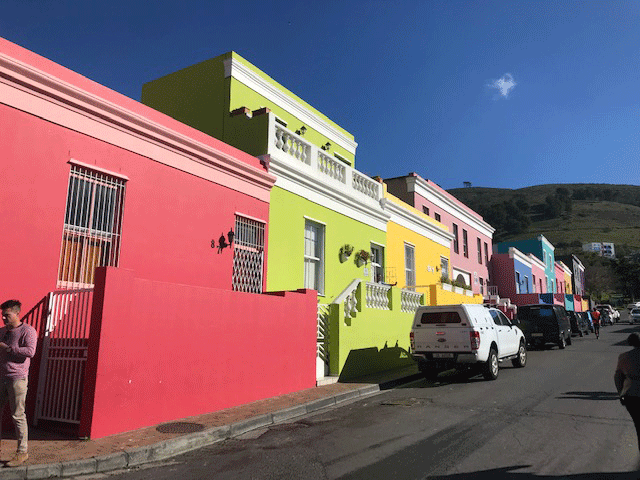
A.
pixel 349 299
pixel 327 167
pixel 292 144
pixel 378 296
pixel 409 301
pixel 365 185
pixel 331 167
pixel 492 290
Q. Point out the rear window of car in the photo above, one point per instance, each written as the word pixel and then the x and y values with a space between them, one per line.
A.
pixel 635 311
pixel 440 317
pixel 530 313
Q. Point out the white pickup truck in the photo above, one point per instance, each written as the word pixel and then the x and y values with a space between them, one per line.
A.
pixel 466 336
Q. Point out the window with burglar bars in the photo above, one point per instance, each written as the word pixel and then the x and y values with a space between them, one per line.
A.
pixel 92 226
pixel 248 255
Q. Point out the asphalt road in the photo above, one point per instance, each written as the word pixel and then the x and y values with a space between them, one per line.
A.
pixel 559 417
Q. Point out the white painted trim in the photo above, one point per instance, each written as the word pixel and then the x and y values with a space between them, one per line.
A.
pixel 244 215
pixel 421 187
pixel 539 263
pixel 307 185
pixel 544 240
pixel 566 269
pixel 416 223
pixel 409 243
pixel 378 244
pixel 95 168
pixel 314 220
pixel 516 254
pixel 39 93
pixel 234 68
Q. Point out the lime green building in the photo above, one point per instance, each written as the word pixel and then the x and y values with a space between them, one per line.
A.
pixel 327 226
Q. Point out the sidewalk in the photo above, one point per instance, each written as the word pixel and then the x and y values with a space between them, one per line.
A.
pixel 51 456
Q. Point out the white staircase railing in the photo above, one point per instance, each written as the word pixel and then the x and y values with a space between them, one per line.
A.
pixel 349 299
pixel 409 301
pixel 378 296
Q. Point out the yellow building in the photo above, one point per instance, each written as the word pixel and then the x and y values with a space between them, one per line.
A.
pixel 418 253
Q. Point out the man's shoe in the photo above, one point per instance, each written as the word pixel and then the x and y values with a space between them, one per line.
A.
pixel 18 460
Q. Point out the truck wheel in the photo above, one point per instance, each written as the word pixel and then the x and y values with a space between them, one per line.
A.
pixel 521 360
pixel 490 368
pixel 562 342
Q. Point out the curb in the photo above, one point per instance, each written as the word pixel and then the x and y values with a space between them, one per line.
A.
pixel 176 446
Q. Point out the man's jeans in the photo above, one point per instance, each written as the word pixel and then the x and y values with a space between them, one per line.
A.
pixel 15 390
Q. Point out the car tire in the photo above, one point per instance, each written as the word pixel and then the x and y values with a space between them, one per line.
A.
pixel 562 342
pixel 569 340
pixel 521 359
pixel 490 367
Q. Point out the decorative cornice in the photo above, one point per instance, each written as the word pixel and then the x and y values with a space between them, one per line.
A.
pixel 98 113
pixel 307 185
pixel 537 261
pixel 415 223
pixel 516 254
pixel 236 69
pixel 448 205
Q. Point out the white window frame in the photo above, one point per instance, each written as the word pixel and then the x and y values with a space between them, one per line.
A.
pixel 409 266
pixel 377 268
pixel 317 283
pixel 444 271
pixel 517 282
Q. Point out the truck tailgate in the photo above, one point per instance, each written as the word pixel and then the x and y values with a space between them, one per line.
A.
pixel 431 338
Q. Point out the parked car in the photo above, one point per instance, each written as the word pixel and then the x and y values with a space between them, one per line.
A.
pixel 631 306
pixel 634 317
pixel 578 324
pixel 468 337
pixel 588 321
pixel 607 314
pixel 544 324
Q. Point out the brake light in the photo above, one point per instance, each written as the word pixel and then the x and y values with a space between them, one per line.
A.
pixel 474 336
pixel 413 342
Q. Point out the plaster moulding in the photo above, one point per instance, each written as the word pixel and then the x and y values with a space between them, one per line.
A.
pixel 422 188
pixel 417 224
pixel 38 93
pixel 306 185
pixel 242 73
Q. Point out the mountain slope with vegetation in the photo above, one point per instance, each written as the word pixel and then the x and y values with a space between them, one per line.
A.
pixel 569 215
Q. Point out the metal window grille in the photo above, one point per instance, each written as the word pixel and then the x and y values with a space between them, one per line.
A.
pixel 248 255
pixel 92 226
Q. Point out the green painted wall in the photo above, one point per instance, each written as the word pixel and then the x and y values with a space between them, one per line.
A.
pixel 286 244
pixel 372 341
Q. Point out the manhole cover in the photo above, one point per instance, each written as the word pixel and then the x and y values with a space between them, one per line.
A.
pixel 180 427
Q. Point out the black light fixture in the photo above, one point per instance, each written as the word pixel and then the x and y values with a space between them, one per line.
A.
pixel 230 236
pixel 301 131
pixel 222 242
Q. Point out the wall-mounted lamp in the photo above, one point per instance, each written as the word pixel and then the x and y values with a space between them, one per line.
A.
pixel 326 146
pixel 222 242
pixel 301 131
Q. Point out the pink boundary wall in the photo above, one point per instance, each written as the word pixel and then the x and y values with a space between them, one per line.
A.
pixel 160 351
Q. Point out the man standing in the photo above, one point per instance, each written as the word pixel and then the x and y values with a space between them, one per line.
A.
pixel 17 347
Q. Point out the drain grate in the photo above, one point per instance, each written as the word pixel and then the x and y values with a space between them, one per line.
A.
pixel 180 427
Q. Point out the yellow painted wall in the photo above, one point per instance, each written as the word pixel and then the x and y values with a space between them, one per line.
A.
pixel 567 279
pixel 438 296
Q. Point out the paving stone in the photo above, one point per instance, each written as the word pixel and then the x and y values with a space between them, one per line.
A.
pixel 320 404
pixel 78 467
pixel 106 463
pixel 15 473
pixel 343 397
pixel 287 413
pixel 46 470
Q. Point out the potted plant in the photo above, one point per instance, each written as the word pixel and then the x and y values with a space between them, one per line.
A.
pixel 362 257
pixel 345 252
pixel 446 283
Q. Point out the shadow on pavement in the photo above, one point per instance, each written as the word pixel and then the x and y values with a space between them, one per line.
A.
pixel 590 396
pixel 507 473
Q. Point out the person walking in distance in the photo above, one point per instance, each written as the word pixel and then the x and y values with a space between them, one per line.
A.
pixel 595 315
pixel 17 347
pixel 627 380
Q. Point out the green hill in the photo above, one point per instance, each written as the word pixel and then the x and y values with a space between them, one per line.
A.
pixel 580 213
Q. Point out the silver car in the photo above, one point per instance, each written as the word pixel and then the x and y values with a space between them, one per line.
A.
pixel 634 317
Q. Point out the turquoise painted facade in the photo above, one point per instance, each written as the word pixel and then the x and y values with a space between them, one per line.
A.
pixel 538 246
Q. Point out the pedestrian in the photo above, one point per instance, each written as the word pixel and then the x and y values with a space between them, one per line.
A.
pixel 627 380
pixel 595 315
pixel 17 347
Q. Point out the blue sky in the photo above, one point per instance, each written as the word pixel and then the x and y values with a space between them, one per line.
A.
pixel 500 94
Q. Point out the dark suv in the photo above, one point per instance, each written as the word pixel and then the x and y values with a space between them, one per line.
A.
pixel 578 324
pixel 544 323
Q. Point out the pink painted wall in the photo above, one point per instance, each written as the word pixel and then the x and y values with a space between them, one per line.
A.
pixel 162 351
pixel 560 283
pixel 539 274
pixel 170 217
pixel 503 275
pixel 458 260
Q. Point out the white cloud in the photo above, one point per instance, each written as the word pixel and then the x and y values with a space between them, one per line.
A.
pixel 504 84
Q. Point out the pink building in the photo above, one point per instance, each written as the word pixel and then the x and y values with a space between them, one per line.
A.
pixel 177 219
pixel 537 273
pixel 471 247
